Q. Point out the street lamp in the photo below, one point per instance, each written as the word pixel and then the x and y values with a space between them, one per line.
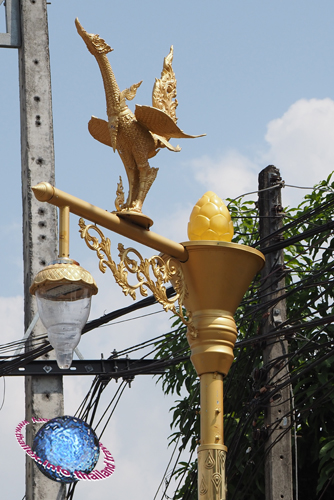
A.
pixel 210 279
pixel 63 291
pixel 209 274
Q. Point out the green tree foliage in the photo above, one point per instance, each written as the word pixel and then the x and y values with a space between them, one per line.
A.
pixel 309 262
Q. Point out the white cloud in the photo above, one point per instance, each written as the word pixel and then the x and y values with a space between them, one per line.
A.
pixel 228 176
pixel 174 224
pixel 11 314
pixel 300 144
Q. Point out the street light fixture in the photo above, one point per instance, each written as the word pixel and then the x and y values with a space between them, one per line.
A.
pixel 209 274
pixel 63 291
pixel 210 279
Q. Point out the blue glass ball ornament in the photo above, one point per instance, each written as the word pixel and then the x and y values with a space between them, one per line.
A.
pixel 67 442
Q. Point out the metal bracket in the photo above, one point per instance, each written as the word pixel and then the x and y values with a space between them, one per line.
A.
pixel 276 316
pixel 107 368
pixel 12 37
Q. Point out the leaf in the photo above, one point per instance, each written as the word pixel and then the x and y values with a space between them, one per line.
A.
pixel 324 450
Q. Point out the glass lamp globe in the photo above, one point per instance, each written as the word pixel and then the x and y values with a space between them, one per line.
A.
pixel 63 291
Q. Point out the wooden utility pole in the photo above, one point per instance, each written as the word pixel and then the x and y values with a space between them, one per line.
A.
pixel 278 460
pixel 44 395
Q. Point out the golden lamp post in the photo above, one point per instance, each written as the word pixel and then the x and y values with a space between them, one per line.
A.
pixel 209 277
pixel 209 274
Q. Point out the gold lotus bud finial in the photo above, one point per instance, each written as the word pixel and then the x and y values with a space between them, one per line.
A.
pixel 210 220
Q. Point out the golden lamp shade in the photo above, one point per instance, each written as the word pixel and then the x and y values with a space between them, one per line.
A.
pixel 217 275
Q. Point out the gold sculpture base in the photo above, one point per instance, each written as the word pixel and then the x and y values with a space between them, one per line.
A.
pixel 137 218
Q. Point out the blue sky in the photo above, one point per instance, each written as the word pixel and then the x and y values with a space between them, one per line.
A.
pixel 257 77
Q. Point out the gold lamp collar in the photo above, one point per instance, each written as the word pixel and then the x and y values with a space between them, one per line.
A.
pixel 63 272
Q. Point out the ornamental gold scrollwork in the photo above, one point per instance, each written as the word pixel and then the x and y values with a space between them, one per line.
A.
pixel 131 261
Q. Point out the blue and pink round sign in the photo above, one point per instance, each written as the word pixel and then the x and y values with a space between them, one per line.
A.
pixel 66 449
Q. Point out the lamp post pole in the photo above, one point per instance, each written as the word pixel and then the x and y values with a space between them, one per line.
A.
pixel 43 395
pixel 209 273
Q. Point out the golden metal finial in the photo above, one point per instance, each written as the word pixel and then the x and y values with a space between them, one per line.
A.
pixel 210 220
pixel 119 202
pixel 164 90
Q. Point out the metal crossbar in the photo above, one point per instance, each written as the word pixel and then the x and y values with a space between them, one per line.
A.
pixel 12 37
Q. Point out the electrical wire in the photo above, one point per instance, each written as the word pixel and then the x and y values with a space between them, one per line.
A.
pixel 305 217
pixel 132 319
pixel 112 412
pixel 281 184
pixel 111 402
pixel 140 304
pixel 298 187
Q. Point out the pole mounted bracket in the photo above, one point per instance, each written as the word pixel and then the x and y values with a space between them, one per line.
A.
pixel 105 368
pixel 276 316
pixel 12 37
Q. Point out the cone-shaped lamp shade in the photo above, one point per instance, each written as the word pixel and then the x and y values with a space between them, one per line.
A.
pixel 64 319
pixel 63 291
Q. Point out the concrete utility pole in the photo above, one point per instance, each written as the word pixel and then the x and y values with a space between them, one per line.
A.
pixel 12 37
pixel 278 461
pixel 44 395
